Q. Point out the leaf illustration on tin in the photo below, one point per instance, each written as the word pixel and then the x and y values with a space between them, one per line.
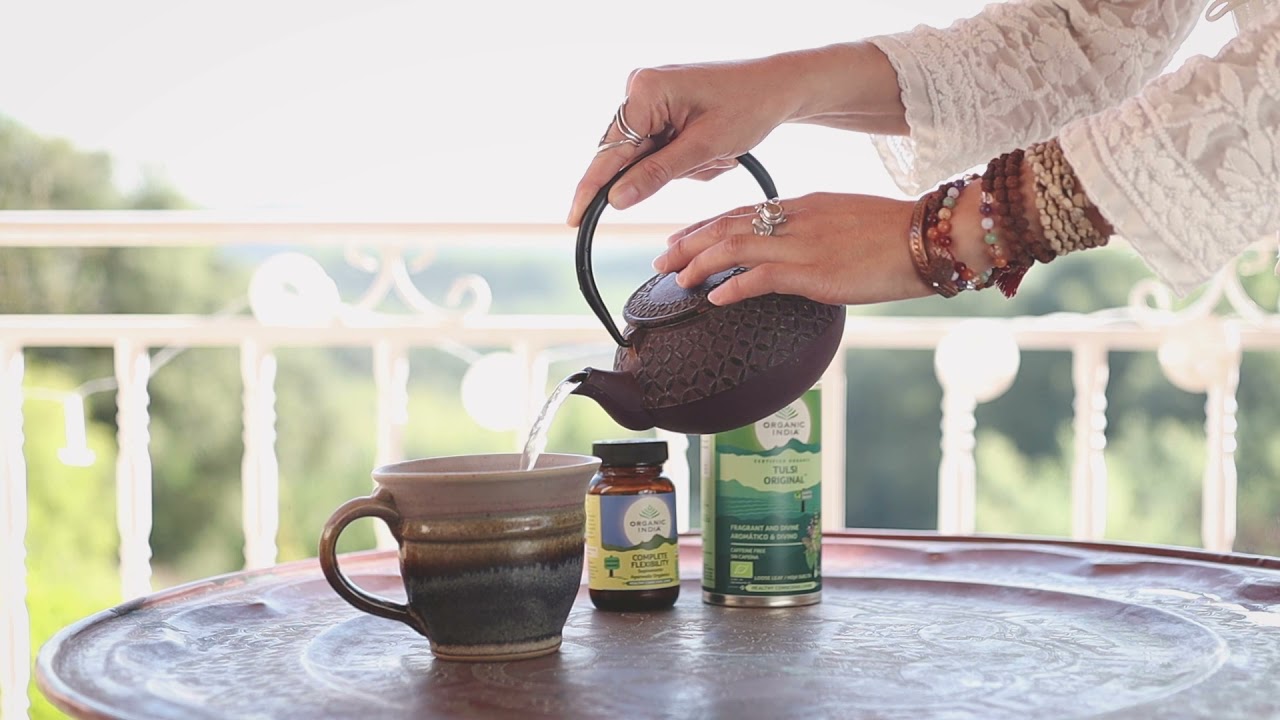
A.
pixel 786 413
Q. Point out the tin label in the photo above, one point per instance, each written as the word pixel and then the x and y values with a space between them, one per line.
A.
pixel 762 499
pixel 631 542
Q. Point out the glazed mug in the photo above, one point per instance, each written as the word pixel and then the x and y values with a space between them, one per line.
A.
pixel 490 555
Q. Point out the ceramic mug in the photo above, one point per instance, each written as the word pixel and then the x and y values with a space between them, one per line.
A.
pixel 491 556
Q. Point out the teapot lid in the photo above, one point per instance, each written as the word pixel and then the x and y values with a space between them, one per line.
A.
pixel 661 301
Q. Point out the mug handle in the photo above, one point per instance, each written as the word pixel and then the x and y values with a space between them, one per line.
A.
pixel 378 506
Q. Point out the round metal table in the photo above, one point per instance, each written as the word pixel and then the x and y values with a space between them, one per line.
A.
pixel 911 626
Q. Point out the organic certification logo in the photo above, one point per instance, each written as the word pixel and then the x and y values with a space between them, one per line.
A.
pixel 790 423
pixel 646 518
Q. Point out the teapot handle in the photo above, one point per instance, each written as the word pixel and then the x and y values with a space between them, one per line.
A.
pixel 587 230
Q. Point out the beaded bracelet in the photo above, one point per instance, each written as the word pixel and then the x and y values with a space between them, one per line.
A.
pixel 946 268
pixel 934 271
pixel 919 254
pixel 1002 217
pixel 938 232
pixel 1062 207
pixel 1080 229
pixel 1002 197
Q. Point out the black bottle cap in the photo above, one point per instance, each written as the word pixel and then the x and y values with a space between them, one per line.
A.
pixel 631 451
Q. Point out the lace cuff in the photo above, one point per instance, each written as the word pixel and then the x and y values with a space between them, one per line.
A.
pixel 1188 171
pixel 1136 223
pixel 918 161
pixel 1016 73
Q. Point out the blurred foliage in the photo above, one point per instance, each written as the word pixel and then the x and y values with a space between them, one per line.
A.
pixel 326 403
pixel 72 544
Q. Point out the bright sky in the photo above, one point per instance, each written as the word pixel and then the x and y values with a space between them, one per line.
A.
pixel 436 111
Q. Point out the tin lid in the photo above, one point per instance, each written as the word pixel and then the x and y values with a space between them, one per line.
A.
pixel 630 451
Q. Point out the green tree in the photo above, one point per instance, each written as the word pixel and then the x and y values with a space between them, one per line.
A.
pixel 195 415
pixel 1019 495
pixel 38 173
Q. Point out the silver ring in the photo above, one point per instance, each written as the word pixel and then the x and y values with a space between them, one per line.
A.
pixel 760 227
pixel 771 212
pixel 635 137
pixel 615 144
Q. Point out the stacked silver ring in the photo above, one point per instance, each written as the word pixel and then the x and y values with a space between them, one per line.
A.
pixel 629 135
pixel 634 137
pixel 769 214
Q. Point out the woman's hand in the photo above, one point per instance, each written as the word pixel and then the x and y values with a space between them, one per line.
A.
pixel 703 116
pixel 832 248
pixel 706 115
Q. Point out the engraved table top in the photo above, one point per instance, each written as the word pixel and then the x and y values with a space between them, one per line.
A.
pixel 910 626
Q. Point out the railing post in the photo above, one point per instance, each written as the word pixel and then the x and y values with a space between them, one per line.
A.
pixel 260 467
pixel 835 477
pixel 957 472
pixel 1218 522
pixel 391 378
pixel 976 361
pixel 1203 355
pixel 1089 375
pixel 15 621
pixel 530 394
pixel 133 467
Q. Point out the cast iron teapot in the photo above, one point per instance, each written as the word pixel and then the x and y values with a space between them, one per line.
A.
pixel 688 366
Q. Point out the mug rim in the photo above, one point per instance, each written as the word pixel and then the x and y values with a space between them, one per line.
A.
pixel 548 464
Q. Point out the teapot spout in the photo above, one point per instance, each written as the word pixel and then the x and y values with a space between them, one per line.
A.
pixel 620 396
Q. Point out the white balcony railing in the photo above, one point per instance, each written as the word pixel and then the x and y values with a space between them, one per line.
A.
pixel 1199 349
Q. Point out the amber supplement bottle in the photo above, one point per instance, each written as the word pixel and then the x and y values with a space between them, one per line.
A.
pixel 633 560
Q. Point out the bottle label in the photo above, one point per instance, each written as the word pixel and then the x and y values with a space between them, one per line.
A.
pixel 762 500
pixel 632 542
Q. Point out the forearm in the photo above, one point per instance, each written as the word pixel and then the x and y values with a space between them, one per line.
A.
pixel 850 86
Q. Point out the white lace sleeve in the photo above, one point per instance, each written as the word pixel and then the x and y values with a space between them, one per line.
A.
pixel 1188 171
pixel 1016 73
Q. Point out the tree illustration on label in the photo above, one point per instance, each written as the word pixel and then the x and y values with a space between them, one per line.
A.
pixel 612 563
pixel 812 542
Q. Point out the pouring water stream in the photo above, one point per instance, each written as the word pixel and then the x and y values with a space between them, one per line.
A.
pixel 537 441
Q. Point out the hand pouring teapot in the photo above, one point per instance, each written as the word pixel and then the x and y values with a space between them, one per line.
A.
pixel 686 365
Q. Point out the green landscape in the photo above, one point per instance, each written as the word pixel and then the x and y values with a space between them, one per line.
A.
pixel 326 404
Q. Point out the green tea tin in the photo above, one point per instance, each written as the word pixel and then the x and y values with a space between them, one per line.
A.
pixel 762 510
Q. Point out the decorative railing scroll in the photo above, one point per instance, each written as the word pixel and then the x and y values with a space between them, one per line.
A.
pixel 294 289
pixel 392 271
